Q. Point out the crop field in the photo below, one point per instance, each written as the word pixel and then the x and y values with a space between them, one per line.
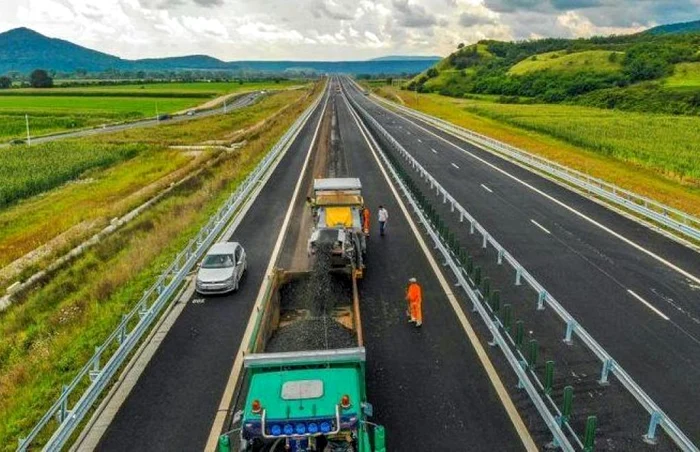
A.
pixel 595 60
pixel 653 155
pixel 668 144
pixel 28 171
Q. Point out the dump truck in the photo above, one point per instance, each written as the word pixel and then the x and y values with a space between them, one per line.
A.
pixel 305 374
pixel 338 223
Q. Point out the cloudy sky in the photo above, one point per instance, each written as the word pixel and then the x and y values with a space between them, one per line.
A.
pixel 326 29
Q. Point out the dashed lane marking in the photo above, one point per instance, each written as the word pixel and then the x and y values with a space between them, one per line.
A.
pixel 454 165
pixel 434 151
pixel 648 305
pixel 540 226
pixel 486 188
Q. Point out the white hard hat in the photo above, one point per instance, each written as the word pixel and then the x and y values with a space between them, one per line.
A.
pixel 412 280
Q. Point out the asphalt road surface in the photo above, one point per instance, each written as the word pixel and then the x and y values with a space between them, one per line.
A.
pixel 427 385
pixel 242 101
pixel 642 310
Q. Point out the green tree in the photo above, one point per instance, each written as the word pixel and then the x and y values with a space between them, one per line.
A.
pixel 432 72
pixel 5 82
pixel 39 78
pixel 460 45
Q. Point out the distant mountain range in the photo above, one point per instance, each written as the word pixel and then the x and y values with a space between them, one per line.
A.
pixel 683 27
pixel 24 50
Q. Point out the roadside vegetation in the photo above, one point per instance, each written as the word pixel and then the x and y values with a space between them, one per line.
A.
pixel 653 155
pixel 50 333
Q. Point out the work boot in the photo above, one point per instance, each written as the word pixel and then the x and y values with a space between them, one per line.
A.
pixel 418 323
pixel 411 320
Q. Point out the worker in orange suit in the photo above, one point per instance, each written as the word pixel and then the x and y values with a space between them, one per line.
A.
pixel 414 296
pixel 365 221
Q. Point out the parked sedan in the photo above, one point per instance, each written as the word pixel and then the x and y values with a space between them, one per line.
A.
pixel 222 269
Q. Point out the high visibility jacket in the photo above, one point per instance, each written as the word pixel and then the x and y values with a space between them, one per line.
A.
pixel 365 218
pixel 414 294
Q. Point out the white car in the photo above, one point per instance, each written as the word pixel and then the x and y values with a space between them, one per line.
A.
pixel 221 269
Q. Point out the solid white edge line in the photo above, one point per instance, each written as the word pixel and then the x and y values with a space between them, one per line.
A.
pixel 498 386
pixel 540 226
pixel 227 396
pixel 648 305
pixel 486 188
pixel 551 198
pixel 453 164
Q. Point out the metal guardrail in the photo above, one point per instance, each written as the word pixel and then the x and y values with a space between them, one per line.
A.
pixel 609 365
pixel 127 335
pixel 681 222
pixel 560 439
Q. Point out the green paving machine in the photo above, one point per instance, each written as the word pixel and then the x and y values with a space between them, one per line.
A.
pixel 305 374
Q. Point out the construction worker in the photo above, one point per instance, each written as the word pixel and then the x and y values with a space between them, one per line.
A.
pixel 414 297
pixel 382 217
pixel 365 220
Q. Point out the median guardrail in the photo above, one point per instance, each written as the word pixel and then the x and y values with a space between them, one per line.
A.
pixel 126 336
pixel 572 328
pixel 688 226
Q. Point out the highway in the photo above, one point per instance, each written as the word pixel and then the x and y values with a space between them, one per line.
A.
pixel 431 387
pixel 636 291
pixel 240 102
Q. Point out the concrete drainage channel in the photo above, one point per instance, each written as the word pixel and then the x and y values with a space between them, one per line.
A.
pixel 522 355
pixel 64 417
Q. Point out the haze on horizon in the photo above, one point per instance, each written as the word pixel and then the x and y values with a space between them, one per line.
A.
pixel 326 29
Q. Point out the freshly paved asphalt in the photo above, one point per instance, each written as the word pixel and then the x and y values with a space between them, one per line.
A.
pixel 240 102
pixel 427 385
pixel 587 269
pixel 174 402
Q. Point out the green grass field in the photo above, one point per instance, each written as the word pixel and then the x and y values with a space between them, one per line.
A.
pixel 594 60
pixel 685 76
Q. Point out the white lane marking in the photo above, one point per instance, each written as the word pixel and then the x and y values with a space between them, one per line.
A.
pixel 236 369
pixel 454 165
pixel 648 305
pixel 556 201
pixel 434 151
pixel 503 395
pixel 419 140
pixel 486 188
pixel 408 132
pixel 540 226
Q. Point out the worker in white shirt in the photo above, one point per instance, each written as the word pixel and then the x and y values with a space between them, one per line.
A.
pixel 382 217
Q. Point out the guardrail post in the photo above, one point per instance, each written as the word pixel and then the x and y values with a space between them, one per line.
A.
pixel 122 331
pixel 95 364
pixel 654 421
pixel 63 412
pixel 461 217
pixel 541 299
pixel 605 371
pixel 518 275
pixel 589 436
pixel 570 326
pixel 471 226
pixel 533 351
pixel 548 377
pixel 485 241
pixel 496 302
pixel 519 332
pixel 500 257
pixel 507 317
pixel 486 288
pixel 568 404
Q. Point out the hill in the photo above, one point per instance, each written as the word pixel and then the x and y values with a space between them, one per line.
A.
pixel 684 27
pixel 643 71
pixel 24 50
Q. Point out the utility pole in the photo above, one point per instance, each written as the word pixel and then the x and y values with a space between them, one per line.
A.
pixel 29 138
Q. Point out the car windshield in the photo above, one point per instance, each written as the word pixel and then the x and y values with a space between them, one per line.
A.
pixel 218 261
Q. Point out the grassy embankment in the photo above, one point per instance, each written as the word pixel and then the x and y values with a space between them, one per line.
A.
pixel 653 155
pixel 48 336
pixel 61 217
pixel 60 109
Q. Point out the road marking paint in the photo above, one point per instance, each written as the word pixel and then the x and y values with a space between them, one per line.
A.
pixel 500 389
pixel 648 305
pixel 553 199
pixel 454 165
pixel 540 226
pixel 486 188
pixel 419 140
pixel 434 151
pixel 408 132
pixel 226 398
